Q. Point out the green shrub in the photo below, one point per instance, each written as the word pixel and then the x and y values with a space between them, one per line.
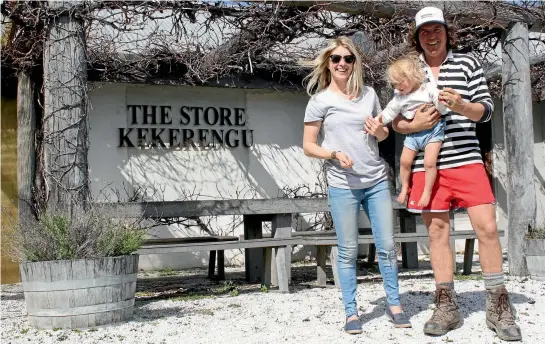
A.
pixel 121 241
pixel 536 233
pixel 59 236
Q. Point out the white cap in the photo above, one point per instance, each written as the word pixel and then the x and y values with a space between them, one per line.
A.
pixel 429 15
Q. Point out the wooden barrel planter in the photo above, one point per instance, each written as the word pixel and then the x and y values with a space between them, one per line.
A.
pixel 534 250
pixel 80 293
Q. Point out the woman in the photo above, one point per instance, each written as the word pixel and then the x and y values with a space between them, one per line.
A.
pixel 461 179
pixel 343 107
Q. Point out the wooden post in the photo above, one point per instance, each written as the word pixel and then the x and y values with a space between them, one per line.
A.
pixel 221 265
pixel 452 242
pixel 409 250
pixel 321 278
pixel 65 114
pixel 519 142
pixel 398 148
pixel 266 273
pixel 468 256
pixel 253 257
pixel 334 258
pixel 26 145
pixel 281 228
pixel 211 264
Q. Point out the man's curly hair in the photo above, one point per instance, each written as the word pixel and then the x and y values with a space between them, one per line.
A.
pixel 452 42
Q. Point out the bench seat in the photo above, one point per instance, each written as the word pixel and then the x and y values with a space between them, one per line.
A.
pixel 216 245
pixel 324 239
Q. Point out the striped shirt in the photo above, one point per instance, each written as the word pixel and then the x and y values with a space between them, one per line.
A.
pixel 464 74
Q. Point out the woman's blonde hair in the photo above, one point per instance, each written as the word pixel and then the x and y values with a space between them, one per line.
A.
pixel 406 67
pixel 320 77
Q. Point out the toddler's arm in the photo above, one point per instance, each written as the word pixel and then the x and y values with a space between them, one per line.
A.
pixel 391 111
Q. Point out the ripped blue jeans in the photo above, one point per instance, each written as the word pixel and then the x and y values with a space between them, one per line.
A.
pixel 377 204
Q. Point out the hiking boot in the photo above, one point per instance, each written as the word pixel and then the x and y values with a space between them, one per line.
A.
pixel 500 315
pixel 446 316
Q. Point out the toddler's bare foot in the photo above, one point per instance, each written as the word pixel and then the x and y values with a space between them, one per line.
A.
pixel 424 200
pixel 402 196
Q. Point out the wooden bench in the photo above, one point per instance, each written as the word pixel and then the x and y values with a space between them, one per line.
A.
pixel 260 253
pixel 214 255
pixel 328 238
pixel 171 246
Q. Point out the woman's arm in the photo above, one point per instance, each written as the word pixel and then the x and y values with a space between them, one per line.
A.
pixel 310 142
pixel 312 149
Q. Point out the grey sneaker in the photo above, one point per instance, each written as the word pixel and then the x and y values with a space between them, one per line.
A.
pixel 400 320
pixel 500 315
pixel 353 327
pixel 446 316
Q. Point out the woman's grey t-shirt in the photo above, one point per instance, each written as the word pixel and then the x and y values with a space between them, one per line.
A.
pixel 342 126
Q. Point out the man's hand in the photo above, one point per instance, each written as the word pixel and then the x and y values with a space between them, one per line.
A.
pixel 452 99
pixel 426 117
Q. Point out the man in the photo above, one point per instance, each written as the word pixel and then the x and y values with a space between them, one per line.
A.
pixel 461 179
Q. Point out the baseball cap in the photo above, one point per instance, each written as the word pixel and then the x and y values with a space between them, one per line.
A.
pixel 429 15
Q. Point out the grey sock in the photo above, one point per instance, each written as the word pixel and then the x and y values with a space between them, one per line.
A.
pixel 493 280
pixel 449 285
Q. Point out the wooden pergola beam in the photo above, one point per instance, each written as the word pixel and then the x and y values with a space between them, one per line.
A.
pixel 488 13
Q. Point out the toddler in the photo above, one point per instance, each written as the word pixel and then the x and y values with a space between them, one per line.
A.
pixel 407 77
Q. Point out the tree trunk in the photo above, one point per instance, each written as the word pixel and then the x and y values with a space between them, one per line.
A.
pixel 26 148
pixel 519 142
pixel 65 115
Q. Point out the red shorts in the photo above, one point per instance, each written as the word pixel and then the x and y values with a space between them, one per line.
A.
pixel 460 187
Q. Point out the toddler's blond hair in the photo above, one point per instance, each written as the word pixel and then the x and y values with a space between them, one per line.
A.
pixel 405 67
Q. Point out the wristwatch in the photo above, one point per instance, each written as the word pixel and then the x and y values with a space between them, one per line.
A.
pixel 333 155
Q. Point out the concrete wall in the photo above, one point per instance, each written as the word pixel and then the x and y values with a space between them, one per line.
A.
pixel 275 160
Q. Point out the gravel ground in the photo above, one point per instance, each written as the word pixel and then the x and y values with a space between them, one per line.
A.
pixel 175 307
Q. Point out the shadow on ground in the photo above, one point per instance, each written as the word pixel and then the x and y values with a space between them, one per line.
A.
pixel 196 283
pixel 416 302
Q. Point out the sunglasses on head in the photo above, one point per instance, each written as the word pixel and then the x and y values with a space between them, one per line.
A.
pixel 337 58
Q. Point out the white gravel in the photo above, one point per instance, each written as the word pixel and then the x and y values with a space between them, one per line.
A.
pixel 307 315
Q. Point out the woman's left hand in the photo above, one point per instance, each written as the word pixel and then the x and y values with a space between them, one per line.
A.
pixel 375 128
pixel 452 99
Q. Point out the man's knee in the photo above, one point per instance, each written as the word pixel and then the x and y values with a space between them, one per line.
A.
pixel 438 231
pixel 487 231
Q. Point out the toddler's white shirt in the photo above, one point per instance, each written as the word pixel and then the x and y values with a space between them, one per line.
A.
pixel 407 104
